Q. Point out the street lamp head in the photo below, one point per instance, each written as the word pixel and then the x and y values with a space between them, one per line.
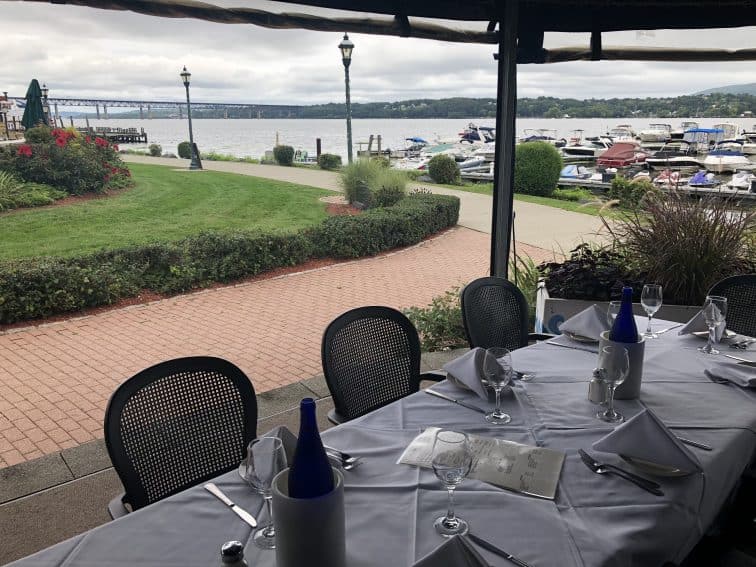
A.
pixel 45 90
pixel 346 46
pixel 185 76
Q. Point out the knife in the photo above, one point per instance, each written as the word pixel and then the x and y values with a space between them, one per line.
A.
pixel 692 443
pixel 668 329
pixel 243 514
pixel 743 361
pixel 493 549
pixel 644 483
pixel 450 399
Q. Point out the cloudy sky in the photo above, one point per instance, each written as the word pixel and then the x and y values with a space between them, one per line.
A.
pixel 85 52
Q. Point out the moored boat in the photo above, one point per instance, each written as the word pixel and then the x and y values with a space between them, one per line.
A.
pixel 589 147
pixel 742 181
pixel 684 127
pixel 543 135
pixel 656 133
pixel 674 155
pixel 621 133
pixel 720 160
pixel 622 154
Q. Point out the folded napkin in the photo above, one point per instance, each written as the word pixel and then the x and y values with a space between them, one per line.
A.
pixel 698 324
pixel 646 437
pixel 589 323
pixel 739 374
pixel 467 371
pixel 455 552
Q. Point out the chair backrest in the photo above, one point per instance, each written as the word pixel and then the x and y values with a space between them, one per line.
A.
pixel 740 292
pixel 495 314
pixel 371 357
pixel 179 423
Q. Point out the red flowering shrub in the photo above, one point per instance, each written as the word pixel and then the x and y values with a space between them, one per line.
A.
pixel 64 159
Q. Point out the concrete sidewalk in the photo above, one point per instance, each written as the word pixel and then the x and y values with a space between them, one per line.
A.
pixel 538 225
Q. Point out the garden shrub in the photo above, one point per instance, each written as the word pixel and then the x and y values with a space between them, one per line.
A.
pixel 356 179
pixel 389 187
pixel 156 150
pixel 443 169
pixel 40 287
pixel 440 324
pixel 537 167
pixel 284 155
pixel 329 161
pixel 67 161
pixel 381 161
pixel 630 192
pixel 15 193
pixel 185 150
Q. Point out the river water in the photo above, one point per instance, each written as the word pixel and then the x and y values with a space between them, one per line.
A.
pixel 253 137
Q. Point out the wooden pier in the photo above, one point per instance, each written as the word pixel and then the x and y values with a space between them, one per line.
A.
pixel 117 135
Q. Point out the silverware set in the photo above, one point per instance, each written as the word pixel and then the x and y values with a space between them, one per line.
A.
pixel 493 549
pixel 604 468
pixel 348 462
pixel 742 344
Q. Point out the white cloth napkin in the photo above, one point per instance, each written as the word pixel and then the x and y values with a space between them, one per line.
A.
pixel 590 323
pixel 466 371
pixel 646 437
pixel 455 552
pixel 698 323
pixel 740 374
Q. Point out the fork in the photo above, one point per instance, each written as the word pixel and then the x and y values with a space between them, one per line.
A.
pixel 348 462
pixel 743 344
pixel 604 468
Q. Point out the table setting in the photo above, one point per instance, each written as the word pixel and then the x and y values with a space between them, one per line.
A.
pixel 488 469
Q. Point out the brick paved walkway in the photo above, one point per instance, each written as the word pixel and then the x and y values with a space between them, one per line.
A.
pixel 55 379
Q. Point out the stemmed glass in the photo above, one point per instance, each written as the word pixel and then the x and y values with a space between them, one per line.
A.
pixel 612 311
pixel 265 459
pixel 451 459
pixel 715 311
pixel 651 300
pixel 614 364
pixel 497 368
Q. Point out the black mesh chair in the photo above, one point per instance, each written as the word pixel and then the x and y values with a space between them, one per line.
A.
pixel 740 292
pixel 175 425
pixel 371 357
pixel 495 314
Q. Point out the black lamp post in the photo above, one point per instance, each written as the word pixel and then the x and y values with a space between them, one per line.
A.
pixel 45 105
pixel 346 46
pixel 196 163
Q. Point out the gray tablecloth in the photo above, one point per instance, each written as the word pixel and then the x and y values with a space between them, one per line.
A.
pixel 594 520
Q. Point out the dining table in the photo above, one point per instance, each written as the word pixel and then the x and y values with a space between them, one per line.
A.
pixel 594 520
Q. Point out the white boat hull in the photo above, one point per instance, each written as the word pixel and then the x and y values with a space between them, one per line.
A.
pixel 720 164
pixel 749 149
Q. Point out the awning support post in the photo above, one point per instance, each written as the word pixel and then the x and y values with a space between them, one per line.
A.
pixel 506 110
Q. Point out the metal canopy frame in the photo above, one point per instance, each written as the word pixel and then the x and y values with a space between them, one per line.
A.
pixel 522 25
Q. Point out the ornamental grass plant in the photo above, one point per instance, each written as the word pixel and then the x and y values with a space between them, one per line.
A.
pixel 686 245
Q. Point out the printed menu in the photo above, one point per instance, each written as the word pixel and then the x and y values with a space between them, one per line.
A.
pixel 522 468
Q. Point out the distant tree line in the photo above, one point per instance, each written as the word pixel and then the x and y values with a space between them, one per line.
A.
pixel 709 105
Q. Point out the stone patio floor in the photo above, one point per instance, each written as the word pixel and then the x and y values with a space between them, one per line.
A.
pixel 56 378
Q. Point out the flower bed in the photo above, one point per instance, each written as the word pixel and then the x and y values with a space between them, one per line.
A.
pixel 66 160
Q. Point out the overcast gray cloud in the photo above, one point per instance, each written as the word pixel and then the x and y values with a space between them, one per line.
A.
pixel 85 52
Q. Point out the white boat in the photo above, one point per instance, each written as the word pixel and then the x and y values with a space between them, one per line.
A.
pixel 730 131
pixel 542 135
pixel 590 147
pixel 674 155
pixel 656 133
pixel 621 133
pixel 742 181
pixel 721 160
pixel 684 127
pixel 749 142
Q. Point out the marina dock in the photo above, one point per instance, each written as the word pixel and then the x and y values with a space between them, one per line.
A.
pixel 117 135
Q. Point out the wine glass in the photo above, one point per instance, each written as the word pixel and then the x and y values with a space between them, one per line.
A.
pixel 714 311
pixel 497 368
pixel 612 311
pixel 651 300
pixel 614 363
pixel 451 459
pixel 265 459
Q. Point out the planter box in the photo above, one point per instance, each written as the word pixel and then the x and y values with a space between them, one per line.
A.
pixel 556 311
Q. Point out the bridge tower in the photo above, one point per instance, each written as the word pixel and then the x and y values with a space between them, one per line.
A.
pixel 105 110
pixel 225 113
pixel 97 108
pixel 181 112
pixel 141 112
pixel 149 112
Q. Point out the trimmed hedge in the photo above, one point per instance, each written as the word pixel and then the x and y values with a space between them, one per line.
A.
pixel 443 169
pixel 284 155
pixel 329 161
pixel 185 150
pixel 32 288
pixel 537 167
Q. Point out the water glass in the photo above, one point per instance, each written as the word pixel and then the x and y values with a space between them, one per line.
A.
pixel 451 459
pixel 614 365
pixel 497 368
pixel 265 459
pixel 714 311
pixel 612 311
pixel 651 300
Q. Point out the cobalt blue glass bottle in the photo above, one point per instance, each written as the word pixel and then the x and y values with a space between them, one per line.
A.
pixel 624 329
pixel 310 475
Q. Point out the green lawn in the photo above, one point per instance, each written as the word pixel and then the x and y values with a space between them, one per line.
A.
pixel 164 205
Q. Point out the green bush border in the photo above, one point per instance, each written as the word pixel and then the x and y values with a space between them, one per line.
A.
pixel 33 288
